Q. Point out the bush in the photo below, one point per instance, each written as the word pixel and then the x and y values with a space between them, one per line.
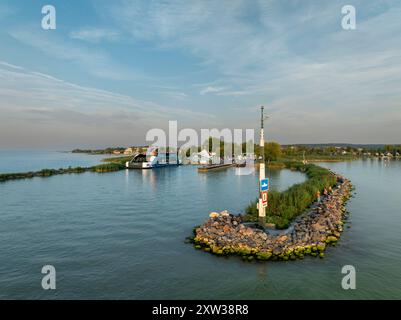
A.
pixel 108 167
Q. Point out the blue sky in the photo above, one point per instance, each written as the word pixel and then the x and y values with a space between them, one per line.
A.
pixel 114 69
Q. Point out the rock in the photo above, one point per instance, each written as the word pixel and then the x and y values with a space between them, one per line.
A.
pixel 263 255
pixel 263 236
pixel 248 232
pixel 331 239
pixel 282 238
pixel 318 227
pixel 213 215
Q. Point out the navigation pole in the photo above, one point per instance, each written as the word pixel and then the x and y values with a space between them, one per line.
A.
pixel 262 181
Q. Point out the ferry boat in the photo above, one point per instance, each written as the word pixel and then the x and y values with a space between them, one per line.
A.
pixel 154 159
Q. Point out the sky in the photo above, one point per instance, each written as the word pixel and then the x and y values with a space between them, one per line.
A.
pixel 112 70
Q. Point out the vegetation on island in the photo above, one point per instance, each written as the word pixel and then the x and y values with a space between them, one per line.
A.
pixel 107 167
pixel 99 151
pixel 118 160
pixel 285 206
pixel 112 150
pixel 102 168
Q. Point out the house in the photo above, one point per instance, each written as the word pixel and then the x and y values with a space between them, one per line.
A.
pixel 116 152
pixel 128 151
pixel 202 157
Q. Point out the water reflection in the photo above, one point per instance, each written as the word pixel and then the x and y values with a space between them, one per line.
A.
pixel 262 271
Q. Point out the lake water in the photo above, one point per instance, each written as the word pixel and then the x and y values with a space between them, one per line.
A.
pixel 121 235
pixel 34 160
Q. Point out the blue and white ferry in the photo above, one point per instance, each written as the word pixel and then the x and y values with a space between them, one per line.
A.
pixel 153 159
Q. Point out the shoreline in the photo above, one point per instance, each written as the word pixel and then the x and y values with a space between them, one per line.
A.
pixel 101 168
pixel 312 232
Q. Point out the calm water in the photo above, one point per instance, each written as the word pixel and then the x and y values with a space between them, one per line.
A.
pixel 121 235
pixel 34 160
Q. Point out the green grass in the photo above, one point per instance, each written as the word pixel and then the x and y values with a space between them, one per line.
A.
pixel 284 206
pixel 102 168
pixel 119 160
pixel 107 167
pixel 318 157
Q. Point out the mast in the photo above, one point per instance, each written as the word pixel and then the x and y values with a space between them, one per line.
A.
pixel 261 208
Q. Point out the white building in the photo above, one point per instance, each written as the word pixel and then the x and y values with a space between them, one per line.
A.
pixel 128 151
pixel 202 157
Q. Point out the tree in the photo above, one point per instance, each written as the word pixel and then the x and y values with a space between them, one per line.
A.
pixel 388 147
pixel 272 151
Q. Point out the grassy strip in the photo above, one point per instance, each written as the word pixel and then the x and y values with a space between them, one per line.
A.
pixel 285 206
pixel 102 168
pixel 319 158
pixel 119 160
pixel 107 167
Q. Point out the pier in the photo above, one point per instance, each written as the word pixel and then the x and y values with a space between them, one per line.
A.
pixel 214 167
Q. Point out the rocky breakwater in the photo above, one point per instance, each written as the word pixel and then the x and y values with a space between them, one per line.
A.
pixel 310 234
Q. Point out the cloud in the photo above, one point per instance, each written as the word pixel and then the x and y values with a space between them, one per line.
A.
pixel 175 95
pixel 291 56
pixel 38 105
pixel 95 61
pixel 9 65
pixel 210 89
pixel 252 45
pixel 95 35
pixel 223 91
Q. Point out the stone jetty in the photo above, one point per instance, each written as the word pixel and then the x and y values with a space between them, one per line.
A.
pixel 224 233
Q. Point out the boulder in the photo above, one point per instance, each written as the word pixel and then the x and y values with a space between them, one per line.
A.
pixel 214 215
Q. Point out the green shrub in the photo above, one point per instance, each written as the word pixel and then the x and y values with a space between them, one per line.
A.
pixel 108 167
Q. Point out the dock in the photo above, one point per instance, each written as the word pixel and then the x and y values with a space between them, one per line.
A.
pixel 214 167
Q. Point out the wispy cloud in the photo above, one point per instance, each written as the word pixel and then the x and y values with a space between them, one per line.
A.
pixel 211 89
pixel 291 56
pixel 9 65
pixel 34 103
pixel 95 61
pixel 95 35
pixel 175 95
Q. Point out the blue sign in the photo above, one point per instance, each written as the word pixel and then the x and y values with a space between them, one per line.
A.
pixel 264 184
